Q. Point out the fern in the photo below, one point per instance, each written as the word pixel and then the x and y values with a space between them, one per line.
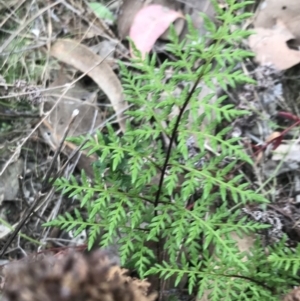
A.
pixel 284 258
pixel 164 205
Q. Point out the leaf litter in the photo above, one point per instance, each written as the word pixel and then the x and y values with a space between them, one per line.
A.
pixel 68 64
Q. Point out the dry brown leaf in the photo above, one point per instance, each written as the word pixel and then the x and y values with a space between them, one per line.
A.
pixel 270 47
pixel 53 128
pixel 287 151
pixel 288 11
pixel 77 97
pixel 273 136
pixel 83 59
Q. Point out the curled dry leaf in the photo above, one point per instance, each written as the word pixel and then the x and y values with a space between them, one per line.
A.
pixel 149 24
pixel 270 47
pixel 83 59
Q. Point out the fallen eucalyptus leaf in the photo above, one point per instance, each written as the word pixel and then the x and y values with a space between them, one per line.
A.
pixel 83 59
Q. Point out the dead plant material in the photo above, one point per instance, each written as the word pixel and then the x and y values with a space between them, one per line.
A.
pixel 83 59
pixel 294 295
pixel 72 277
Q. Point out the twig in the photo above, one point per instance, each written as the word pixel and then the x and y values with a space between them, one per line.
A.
pixel 45 187
pixel 15 34
pixel 174 132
